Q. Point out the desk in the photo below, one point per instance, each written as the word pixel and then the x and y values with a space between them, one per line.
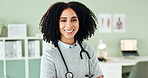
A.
pixel 113 67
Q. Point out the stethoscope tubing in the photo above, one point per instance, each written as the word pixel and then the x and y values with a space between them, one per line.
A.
pixel 70 73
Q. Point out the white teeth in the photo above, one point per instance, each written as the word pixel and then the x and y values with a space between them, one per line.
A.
pixel 69 31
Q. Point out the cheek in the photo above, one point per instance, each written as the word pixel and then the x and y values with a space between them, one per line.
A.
pixel 60 28
pixel 61 25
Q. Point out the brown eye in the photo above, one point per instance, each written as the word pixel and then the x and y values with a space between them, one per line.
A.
pixel 63 20
pixel 74 20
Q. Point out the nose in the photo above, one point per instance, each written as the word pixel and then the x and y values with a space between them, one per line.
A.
pixel 69 24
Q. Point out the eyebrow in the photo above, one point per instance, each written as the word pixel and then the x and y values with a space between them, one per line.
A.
pixel 66 17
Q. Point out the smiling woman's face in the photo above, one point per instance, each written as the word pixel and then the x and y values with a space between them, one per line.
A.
pixel 68 25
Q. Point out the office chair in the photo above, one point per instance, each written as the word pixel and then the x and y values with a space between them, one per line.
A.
pixel 140 70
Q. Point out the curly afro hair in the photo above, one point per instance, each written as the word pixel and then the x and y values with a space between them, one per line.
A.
pixel 50 21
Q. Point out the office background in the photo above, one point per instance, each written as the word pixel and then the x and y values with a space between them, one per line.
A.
pixel 30 12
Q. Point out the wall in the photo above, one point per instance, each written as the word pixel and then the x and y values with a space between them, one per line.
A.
pixel 31 11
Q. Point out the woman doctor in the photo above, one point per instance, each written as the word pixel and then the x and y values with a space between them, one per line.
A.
pixel 64 27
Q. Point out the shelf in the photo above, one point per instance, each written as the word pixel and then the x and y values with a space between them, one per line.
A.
pixel 34 38
pixel 1 59
pixel 16 38
pixel 12 38
pixel 23 58
pixel 34 57
pixel 22 66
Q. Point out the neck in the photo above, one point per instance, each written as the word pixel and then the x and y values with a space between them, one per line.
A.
pixel 68 41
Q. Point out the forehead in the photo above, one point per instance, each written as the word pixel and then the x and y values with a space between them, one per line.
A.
pixel 68 13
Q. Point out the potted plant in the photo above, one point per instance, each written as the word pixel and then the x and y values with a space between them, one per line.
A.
pixel 2 27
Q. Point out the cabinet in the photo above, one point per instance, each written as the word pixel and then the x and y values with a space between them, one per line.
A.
pixel 114 67
pixel 111 70
pixel 1 69
pixel 16 59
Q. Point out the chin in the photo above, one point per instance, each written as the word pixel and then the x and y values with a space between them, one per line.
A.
pixel 69 37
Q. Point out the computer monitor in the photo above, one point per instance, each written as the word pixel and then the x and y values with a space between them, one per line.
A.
pixel 129 47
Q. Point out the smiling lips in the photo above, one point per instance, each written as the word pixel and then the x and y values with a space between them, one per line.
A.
pixel 69 31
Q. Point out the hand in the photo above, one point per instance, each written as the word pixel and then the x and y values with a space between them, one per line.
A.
pixel 102 76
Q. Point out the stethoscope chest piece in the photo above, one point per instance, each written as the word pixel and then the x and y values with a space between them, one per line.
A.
pixel 69 75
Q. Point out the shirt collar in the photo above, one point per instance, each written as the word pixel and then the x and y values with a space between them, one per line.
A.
pixel 66 45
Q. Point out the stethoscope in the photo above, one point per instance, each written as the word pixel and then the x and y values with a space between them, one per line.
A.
pixel 70 74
